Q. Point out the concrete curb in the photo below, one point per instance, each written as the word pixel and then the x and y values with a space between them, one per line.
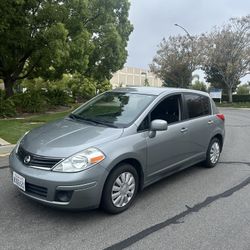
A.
pixel 6 149
pixel 232 108
pixel 3 142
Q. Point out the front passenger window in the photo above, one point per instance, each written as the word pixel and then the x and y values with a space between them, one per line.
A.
pixel 169 109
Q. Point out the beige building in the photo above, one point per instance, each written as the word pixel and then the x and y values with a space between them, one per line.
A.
pixel 129 76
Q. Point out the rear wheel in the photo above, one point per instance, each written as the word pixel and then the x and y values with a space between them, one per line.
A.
pixel 213 153
pixel 120 189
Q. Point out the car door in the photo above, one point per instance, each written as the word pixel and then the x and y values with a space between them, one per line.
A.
pixel 167 149
pixel 199 123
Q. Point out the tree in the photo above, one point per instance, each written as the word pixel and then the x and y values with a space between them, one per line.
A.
pixel 226 53
pixel 110 37
pixel 48 38
pixel 243 89
pixel 146 82
pixel 215 79
pixel 176 60
pixel 103 86
pixel 199 85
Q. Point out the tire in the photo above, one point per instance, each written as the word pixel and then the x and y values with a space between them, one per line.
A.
pixel 213 153
pixel 120 189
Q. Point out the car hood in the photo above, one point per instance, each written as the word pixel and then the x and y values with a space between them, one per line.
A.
pixel 66 137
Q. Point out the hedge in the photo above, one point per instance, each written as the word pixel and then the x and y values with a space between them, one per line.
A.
pixel 236 98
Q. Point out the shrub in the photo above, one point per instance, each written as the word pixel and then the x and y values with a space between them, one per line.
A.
pixel 103 86
pixel 31 101
pixel 243 89
pixel 236 98
pixel 198 85
pixel 241 98
pixel 82 88
pixel 35 84
pixel 7 106
pixel 57 97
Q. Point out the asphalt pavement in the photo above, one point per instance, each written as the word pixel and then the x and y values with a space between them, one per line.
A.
pixel 197 208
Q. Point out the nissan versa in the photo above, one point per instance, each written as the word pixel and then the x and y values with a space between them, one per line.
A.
pixel 116 144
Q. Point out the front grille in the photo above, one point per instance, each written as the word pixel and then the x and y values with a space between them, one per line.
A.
pixel 36 160
pixel 37 190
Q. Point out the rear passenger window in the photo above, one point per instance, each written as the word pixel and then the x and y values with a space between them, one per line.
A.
pixel 197 105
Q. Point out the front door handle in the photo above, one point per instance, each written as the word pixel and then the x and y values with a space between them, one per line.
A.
pixel 183 130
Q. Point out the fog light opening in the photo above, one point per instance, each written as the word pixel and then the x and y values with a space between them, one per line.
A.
pixel 63 196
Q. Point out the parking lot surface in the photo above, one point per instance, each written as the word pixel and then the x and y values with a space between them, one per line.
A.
pixel 197 208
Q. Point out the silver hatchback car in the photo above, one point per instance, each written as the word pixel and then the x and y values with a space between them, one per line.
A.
pixel 116 144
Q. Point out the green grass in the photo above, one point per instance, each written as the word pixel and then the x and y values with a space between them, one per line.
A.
pixel 234 104
pixel 12 129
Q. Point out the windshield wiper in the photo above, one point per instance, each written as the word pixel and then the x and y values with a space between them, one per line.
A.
pixel 92 121
pixel 76 117
pixel 107 124
pixel 72 116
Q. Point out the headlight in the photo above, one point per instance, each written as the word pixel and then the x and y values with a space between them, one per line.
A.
pixel 18 142
pixel 80 161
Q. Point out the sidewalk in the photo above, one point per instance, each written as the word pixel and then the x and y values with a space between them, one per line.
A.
pixel 5 148
pixel 4 162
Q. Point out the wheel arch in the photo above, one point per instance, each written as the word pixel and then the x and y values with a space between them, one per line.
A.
pixel 133 162
pixel 220 138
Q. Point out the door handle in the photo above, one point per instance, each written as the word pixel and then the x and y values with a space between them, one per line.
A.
pixel 183 130
pixel 210 122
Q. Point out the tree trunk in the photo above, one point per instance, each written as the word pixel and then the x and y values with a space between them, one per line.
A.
pixel 230 95
pixel 8 85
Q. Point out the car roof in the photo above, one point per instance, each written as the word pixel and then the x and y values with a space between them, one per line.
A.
pixel 156 90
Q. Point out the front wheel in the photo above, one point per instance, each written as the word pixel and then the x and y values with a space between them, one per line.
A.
pixel 213 153
pixel 120 189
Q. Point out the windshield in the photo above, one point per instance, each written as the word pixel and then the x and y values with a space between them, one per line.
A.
pixel 113 109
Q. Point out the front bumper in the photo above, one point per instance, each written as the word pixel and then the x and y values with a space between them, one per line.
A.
pixel 85 187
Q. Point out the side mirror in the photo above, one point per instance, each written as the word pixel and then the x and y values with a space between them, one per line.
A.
pixel 157 125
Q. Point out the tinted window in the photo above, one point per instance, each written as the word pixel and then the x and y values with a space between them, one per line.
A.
pixel 197 105
pixel 215 109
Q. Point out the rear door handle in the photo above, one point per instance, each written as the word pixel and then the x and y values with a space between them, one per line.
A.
pixel 183 130
pixel 210 122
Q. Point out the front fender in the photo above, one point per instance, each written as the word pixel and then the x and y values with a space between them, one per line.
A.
pixel 129 147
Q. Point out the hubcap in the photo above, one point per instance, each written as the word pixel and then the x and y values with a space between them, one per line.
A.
pixel 215 152
pixel 123 189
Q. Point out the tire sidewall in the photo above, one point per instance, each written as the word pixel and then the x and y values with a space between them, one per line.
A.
pixel 210 164
pixel 107 203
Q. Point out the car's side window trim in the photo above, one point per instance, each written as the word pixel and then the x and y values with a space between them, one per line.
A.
pixel 146 129
pixel 180 108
